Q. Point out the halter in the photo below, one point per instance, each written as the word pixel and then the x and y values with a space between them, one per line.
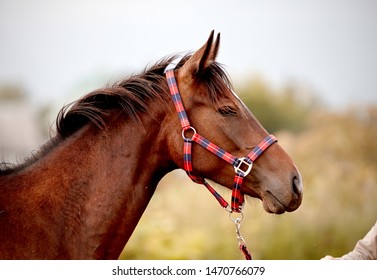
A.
pixel 242 166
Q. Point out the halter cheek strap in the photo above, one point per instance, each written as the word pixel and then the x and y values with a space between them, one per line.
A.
pixel 242 166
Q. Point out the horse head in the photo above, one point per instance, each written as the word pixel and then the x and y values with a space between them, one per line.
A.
pixel 215 111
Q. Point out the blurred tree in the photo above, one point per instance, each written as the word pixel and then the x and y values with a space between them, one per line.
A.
pixel 16 94
pixel 286 109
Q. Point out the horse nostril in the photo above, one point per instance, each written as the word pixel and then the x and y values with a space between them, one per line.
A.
pixel 297 186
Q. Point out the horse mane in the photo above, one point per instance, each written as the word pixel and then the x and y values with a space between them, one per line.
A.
pixel 131 95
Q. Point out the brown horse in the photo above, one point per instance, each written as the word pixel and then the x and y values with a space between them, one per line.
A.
pixel 83 194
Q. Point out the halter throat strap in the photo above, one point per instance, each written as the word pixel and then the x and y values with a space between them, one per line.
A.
pixel 242 166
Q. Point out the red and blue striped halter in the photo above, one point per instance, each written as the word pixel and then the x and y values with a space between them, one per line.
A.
pixel 242 166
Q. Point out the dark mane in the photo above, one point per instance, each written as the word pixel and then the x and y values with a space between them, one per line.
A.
pixel 132 95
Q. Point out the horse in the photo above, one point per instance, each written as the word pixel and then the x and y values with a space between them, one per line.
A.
pixel 82 195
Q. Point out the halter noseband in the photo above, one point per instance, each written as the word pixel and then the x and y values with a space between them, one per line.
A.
pixel 242 166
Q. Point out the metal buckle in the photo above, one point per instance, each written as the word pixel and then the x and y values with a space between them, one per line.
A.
pixel 239 170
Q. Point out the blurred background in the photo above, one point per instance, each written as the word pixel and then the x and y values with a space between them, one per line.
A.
pixel 306 69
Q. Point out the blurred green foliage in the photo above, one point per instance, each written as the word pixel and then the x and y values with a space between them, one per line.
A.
pixel 287 108
pixel 336 153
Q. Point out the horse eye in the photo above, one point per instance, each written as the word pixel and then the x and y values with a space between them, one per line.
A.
pixel 227 111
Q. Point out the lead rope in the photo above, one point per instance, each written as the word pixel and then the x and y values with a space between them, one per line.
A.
pixel 239 164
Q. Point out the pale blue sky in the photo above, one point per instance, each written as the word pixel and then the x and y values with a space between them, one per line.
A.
pixel 329 45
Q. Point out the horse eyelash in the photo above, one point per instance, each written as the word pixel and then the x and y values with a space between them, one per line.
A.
pixel 227 111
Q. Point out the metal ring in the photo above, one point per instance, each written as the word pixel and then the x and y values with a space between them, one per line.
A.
pixel 188 129
pixel 236 220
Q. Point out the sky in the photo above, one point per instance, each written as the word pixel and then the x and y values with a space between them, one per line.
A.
pixel 53 48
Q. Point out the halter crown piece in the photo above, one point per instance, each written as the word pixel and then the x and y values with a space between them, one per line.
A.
pixel 242 166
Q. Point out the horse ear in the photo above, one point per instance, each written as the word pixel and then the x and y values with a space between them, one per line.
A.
pixel 203 57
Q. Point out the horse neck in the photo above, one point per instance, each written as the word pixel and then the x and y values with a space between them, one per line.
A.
pixel 88 194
